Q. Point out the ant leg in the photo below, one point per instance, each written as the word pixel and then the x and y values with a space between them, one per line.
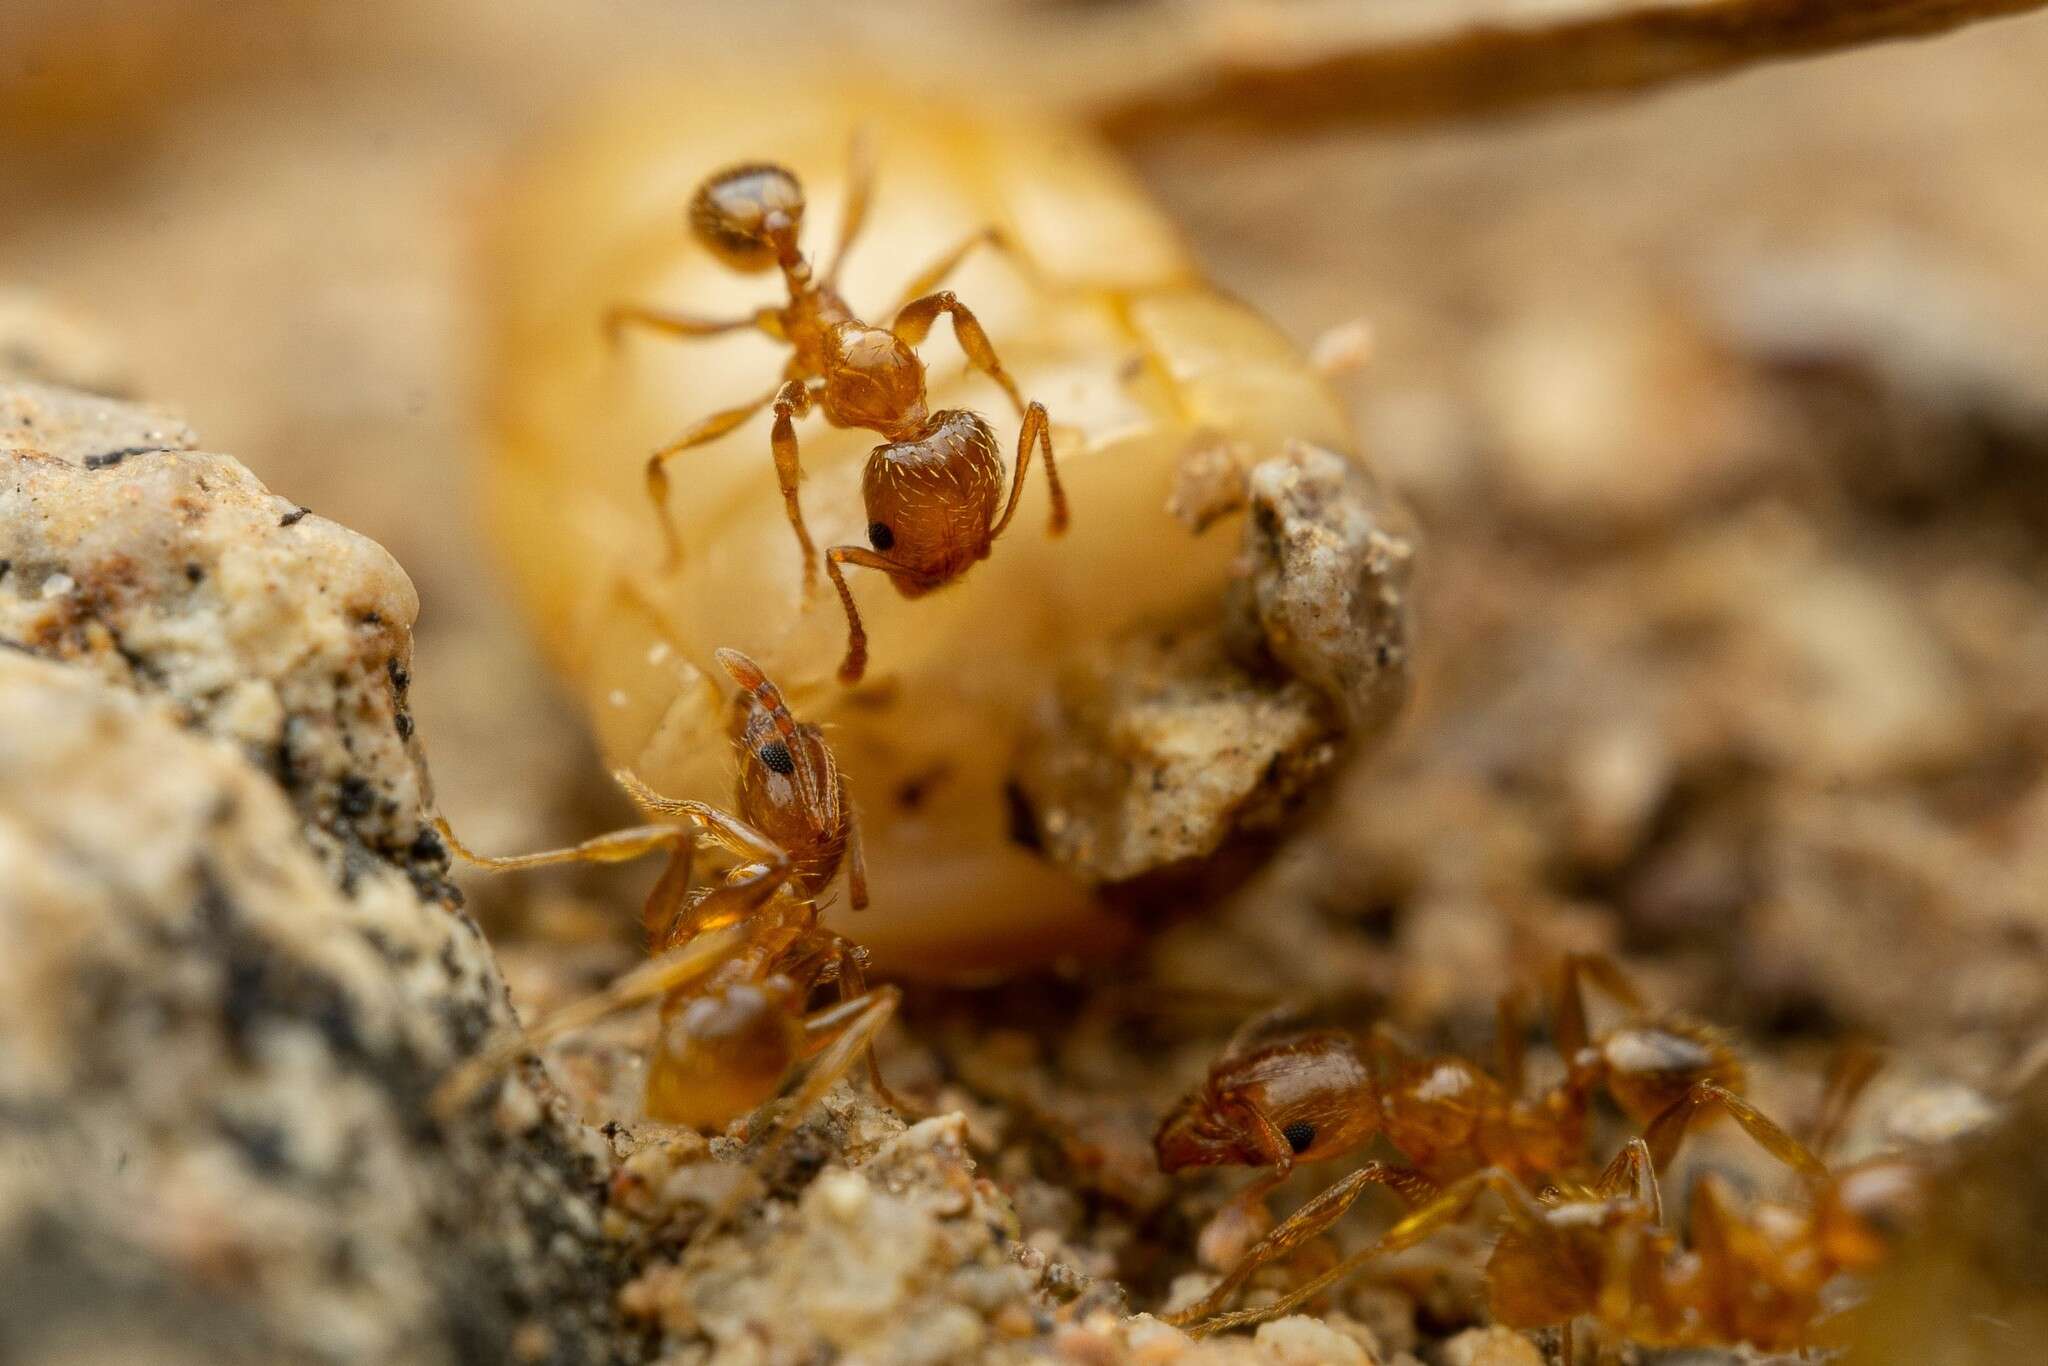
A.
pixel 837 1036
pixel 1850 1071
pixel 1667 1131
pixel 856 662
pixel 722 828
pixel 745 887
pixel 1455 1201
pixel 853 985
pixel 914 322
pixel 1633 1173
pixel 1386 1050
pixel 1305 1223
pixel 1568 1019
pixel 674 324
pixel 1608 975
pixel 1514 1069
pixel 1037 429
pixel 1233 1231
pixel 792 402
pixel 860 192
pixel 856 859
pixel 661 918
pixel 710 429
pixel 992 237
pixel 1709 1225
pixel 653 979
pixel 617 846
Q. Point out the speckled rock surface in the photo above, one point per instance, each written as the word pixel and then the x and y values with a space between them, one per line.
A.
pixel 231 974
pixel 214 1068
pixel 1328 560
pixel 176 573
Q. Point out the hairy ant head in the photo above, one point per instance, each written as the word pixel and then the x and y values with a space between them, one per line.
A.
pixel 1650 1067
pixel 1309 1094
pixel 789 783
pixel 925 508
pixel 749 216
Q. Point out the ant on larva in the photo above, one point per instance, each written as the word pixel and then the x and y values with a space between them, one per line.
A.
pixel 736 961
pixel 934 490
pixel 1327 1092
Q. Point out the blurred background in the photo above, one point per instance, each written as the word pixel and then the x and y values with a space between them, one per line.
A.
pixel 1723 408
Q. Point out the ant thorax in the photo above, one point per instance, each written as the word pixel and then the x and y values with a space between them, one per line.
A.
pixel 872 380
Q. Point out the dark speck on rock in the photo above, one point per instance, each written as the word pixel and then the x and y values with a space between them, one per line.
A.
pixel 356 797
pixel 262 1144
pixel 426 847
pixel 108 459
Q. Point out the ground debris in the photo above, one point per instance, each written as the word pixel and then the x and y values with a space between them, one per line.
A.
pixel 1157 751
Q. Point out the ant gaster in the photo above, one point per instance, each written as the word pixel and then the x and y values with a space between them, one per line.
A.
pixel 1599 1250
pixel 1325 1093
pixel 735 962
pixel 934 490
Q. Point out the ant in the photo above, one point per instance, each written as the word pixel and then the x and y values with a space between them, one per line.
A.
pixel 1599 1250
pixel 932 490
pixel 735 963
pixel 1325 1093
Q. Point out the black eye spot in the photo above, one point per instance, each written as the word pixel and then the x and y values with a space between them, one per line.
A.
pixel 1299 1135
pixel 776 755
pixel 879 535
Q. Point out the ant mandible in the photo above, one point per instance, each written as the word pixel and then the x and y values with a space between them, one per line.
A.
pixel 1325 1093
pixel 1599 1250
pixel 933 490
pixel 736 962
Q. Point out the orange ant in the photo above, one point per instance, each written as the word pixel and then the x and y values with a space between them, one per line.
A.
pixel 1325 1093
pixel 1599 1250
pixel 932 491
pixel 735 963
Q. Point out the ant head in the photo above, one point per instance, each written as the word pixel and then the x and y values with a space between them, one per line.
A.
pixel 748 216
pixel 931 502
pixel 1650 1067
pixel 1311 1090
pixel 789 785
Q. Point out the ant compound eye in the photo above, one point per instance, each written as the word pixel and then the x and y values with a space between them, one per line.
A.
pixel 1299 1135
pixel 776 755
pixel 879 535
